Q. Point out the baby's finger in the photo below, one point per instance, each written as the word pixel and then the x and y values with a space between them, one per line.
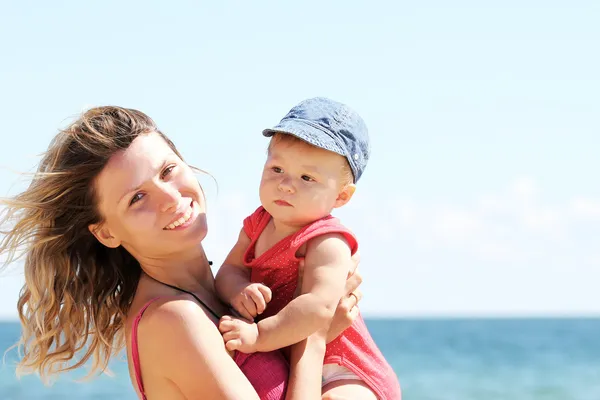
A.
pixel 266 293
pixel 250 307
pixel 241 310
pixel 233 344
pixel 231 335
pixel 225 326
pixel 259 302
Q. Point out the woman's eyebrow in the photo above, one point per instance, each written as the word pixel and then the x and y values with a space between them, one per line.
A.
pixel 137 187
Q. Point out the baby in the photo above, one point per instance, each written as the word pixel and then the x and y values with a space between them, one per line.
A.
pixel 316 155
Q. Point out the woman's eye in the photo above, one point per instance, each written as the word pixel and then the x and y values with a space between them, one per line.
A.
pixel 307 178
pixel 167 171
pixel 277 170
pixel 136 197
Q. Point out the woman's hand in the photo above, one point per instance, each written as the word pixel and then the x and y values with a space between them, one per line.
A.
pixel 347 311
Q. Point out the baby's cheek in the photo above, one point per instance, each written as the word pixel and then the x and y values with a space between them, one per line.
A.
pixel 267 181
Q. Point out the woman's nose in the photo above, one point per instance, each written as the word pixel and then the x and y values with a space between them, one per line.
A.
pixel 170 198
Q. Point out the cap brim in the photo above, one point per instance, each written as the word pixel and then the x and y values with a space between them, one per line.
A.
pixel 308 133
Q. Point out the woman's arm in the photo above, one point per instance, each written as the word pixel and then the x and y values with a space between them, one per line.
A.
pixel 306 357
pixel 347 309
pixel 178 342
pixel 306 368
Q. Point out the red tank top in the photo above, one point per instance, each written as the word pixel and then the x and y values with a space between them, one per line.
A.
pixel 267 372
pixel 277 268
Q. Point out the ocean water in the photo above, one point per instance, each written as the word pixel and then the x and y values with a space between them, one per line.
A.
pixel 454 359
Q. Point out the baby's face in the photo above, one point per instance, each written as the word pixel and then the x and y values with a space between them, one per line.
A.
pixel 302 183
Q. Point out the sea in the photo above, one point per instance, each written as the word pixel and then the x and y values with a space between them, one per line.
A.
pixel 435 359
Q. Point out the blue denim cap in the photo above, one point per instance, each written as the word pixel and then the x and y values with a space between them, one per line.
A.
pixel 331 126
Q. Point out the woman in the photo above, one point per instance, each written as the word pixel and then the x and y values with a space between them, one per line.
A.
pixel 111 230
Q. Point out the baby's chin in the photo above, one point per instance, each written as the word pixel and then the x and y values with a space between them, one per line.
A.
pixel 298 219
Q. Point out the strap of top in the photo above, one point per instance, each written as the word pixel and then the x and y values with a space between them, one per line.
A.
pixel 210 310
pixel 325 225
pixel 134 348
pixel 134 334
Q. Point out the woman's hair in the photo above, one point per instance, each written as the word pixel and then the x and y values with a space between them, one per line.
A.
pixel 77 291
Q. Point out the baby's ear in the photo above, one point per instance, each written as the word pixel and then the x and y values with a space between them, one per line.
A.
pixel 104 235
pixel 345 195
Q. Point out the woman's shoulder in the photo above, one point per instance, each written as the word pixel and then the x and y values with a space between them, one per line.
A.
pixel 171 327
pixel 179 342
pixel 170 315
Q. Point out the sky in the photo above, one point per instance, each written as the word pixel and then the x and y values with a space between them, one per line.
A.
pixel 481 197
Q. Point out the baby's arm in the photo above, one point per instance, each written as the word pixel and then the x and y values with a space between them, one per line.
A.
pixel 233 283
pixel 326 267
pixel 327 263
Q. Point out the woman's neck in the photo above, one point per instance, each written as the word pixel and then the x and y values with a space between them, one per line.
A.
pixel 189 271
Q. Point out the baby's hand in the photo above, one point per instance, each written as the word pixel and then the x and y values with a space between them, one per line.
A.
pixel 252 300
pixel 239 334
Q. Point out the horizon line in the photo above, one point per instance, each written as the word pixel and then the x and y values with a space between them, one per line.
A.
pixel 445 316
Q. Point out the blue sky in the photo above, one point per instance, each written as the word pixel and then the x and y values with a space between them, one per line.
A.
pixel 481 196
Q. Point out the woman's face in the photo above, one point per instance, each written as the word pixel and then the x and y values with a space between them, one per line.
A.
pixel 151 201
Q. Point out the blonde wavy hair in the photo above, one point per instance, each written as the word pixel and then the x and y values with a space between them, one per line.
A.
pixel 77 292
